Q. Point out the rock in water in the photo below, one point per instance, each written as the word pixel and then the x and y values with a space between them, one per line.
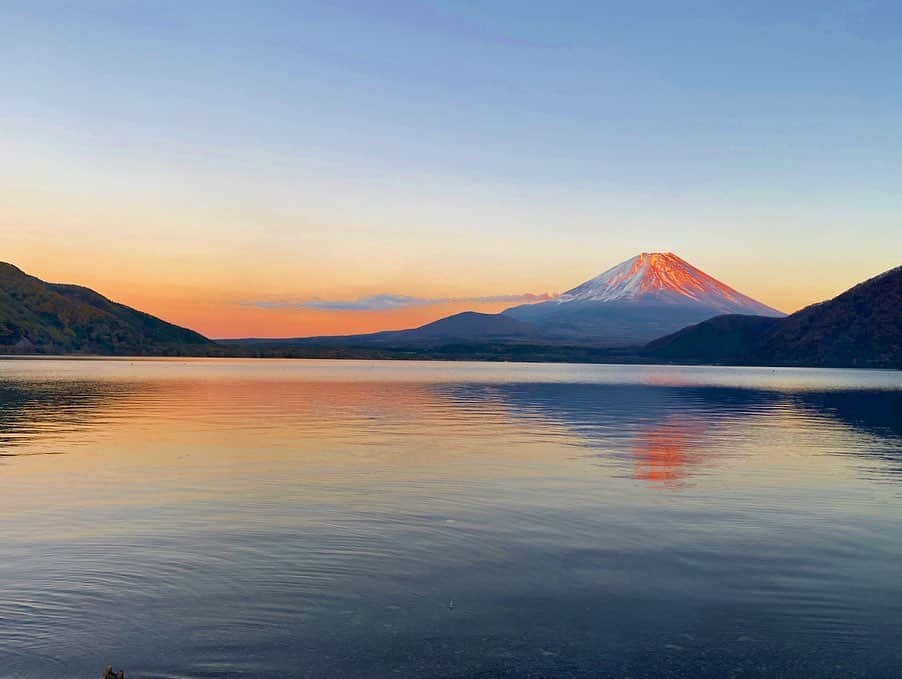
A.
pixel 110 673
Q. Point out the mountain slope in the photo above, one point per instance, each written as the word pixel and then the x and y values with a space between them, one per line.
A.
pixel 468 326
pixel 720 339
pixel 862 327
pixel 56 318
pixel 647 296
pixel 654 277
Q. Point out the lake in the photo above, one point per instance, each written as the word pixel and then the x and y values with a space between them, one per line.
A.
pixel 349 519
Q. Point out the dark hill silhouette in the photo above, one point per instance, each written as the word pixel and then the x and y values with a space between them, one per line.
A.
pixel 54 318
pixel 861 328
pixel 720 340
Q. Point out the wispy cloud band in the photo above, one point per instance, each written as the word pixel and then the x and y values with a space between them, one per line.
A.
pixel 387 302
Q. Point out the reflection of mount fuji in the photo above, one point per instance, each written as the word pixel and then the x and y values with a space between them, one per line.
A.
pixel 656 432
pixel 665 452
pixel 662 433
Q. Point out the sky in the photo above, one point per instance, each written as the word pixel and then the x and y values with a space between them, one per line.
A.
pixel 303 168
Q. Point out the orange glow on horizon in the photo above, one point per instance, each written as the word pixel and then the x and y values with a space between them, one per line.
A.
pixel 237 320
pixel 205 291
pixel 216 316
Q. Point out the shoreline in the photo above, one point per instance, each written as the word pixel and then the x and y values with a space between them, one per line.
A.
pixel 423 359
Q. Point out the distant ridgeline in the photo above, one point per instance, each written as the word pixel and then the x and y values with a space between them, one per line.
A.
pixel 860 328
pixel 52 318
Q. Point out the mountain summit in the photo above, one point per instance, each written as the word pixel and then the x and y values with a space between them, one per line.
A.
pixel 663 277
pixel 639 299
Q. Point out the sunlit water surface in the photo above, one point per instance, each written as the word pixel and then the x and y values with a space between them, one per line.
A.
pixel 224 518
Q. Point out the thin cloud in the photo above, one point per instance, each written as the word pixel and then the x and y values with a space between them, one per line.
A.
pixel 387 302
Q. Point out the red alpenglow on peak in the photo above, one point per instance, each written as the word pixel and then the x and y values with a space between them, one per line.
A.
pixel 662 277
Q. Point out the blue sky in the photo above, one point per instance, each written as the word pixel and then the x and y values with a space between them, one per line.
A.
pixel 451 149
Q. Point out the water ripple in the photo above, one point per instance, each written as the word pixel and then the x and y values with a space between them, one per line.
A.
pixel 349 519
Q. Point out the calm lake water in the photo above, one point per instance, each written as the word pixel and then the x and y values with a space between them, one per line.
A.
pixel 228 518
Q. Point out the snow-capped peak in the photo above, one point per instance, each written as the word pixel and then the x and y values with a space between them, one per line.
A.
pixel 662 277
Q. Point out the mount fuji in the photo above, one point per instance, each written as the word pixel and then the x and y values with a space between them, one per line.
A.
pixel 645 297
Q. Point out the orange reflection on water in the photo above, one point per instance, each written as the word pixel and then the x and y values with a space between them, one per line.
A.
pixel 664 453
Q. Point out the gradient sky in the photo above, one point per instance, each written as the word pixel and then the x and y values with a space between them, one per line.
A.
pixel 223 164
